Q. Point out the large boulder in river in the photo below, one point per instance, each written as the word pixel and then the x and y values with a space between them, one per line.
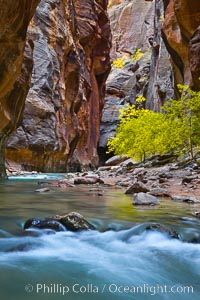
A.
pixel 72 221
pixel 75 222
pixel 46 223
pixel 145 199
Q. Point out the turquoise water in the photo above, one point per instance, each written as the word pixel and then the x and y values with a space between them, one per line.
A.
pixel 120 260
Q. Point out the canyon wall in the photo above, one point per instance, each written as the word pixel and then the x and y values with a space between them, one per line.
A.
pixel 67 51
pixel 15 65
pixel 167 33
pixel 61 120
pixel 181 34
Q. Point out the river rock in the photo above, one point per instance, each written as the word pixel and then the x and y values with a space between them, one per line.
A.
pixel 197 214
pixel 88 180
pixel 185 199
pixel 75 222
pixel 72 221
pixel 161 228
pixel 46 223
pixel 188 179
pixel 129 164
pixel 104 168
pixel 159 192
pixel 137 187
pixel 43 190
pixel 115 160
pixel 145 199
pixel 56 183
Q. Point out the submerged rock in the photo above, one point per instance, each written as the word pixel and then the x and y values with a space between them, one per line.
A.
pixel 161 228
pixel 43 190
pixel 55 183
pixel 72 221
pixel 145 199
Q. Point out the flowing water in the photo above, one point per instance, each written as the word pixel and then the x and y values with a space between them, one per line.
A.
pixel 119 260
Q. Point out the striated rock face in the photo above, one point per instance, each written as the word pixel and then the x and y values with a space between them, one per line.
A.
pixel 168 34
pixel 181 36
pixel 15 65
pixel 60 127
pixel 136 27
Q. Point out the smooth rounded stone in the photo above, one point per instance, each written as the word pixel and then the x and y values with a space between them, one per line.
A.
pixel 88 180
pixel 64 184
pixel 72 221
pixel 56 183
pixel 153 178
pixel 129 164
pixel 43 190
pixel 46 223
pixel 165 175
pixel 123 183
pixel 197 214
pixel 70 175
pixel 162 180
pixel 186 180
pixel 185 199
pixel 161 228
pixel 160 160
pixel 115 160
pixel 137 187
pixel 75 222
pixel 159 192
pixel 145 199
pixel 104 168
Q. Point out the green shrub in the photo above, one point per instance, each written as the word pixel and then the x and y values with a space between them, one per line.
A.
pixel 137 54
pixel 120 62
pixel 143 133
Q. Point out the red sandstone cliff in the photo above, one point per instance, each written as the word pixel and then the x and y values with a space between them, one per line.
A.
pixel 15 65
pixel 60 127
pixel 181 33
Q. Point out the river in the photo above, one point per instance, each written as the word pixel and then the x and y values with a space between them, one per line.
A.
pixel 119 260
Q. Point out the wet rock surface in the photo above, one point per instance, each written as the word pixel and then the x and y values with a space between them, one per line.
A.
pixel 161 228
pixel 72 221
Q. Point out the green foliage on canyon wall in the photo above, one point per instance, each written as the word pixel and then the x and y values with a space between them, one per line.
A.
pixel 176 129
